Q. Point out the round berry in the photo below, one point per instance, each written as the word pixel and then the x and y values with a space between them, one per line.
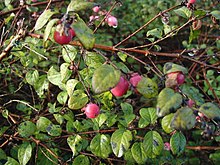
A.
pixel 121 88
pixel 135 78
pixel 91 110
pixel 112 21
pixel 180 79
pixel 63 35
pixel 96 9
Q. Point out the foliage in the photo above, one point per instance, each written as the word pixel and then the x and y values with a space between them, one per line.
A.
pixel 45 86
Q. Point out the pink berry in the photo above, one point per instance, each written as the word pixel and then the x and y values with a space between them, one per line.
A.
pixel 192 1
pixel 180 78
pixel 91 110
pixel 121 88
pixel 135 78
pixel 190 103
pixel 167 146
pixel 112 21
pixel 96 9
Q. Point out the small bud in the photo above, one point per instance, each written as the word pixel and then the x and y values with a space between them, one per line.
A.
pixel 96 9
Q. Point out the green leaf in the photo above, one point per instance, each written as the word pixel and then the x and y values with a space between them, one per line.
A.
pixel 210 110
pixel 84 33
pixel 78 100
pixel 54 76
pixel 93 59
pixel 170 67
pixel 70 86
pixel 105 78
pixel 48 28
pixel 126 108
pixel 65 72
pixel 42 124
pixel 42 20
pixel 192 93
pixel 148 116
pixel 74 143
pixel 147 87
pixel 183 119
pixel 45 157
pixel 41 85
pixel 155 33
pixel 11 161
pixel 165 123
pixel 69 53
pixel 177 143
pixel 59 118
pixel 24 153
pixel 216 14
pixel 26 129
pixel 153 144
pixel 77 5
pixel 62 97
pixel 100 146
pixel 3 129
pixel 122 56
pixel 3 155
pixel 139 153
pixel 168 101
pixel 183 12
pixel 54 130
pixel 215 157
pixel 81 159
pixel 32 77
pixel 100 119
pixel 120 141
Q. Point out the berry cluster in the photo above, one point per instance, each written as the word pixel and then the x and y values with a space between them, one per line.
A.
pixel 110 19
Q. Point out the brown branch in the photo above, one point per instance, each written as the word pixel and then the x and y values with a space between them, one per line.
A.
pixel 146 24
pixel 202 148
pixel 25 6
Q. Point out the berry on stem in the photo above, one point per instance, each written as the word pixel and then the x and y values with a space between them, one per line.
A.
pixel 63 35
pixel 91 110
pixel 135 78
pixel 112 21
pixel 121 88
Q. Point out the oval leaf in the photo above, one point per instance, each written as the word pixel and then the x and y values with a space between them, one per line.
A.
pixel 153 144
pixel 75 144
pixel 177 143
pixel 70 86
pixel 43 123
pixel 120 141
pixel 77 5
pixel 183 12
pixel 26 129
pixel 78 100
pixel 100 146
pixel 105 78
pixel 147 87
pixel 62 97
pixel 54 130
pixel 210 110
pixel 168 101
pixel 138 153
pixel 183 119
pixel 81 159
pixel 148 116
pixel 165 123
pixel 48 28
pixel 84 33
pixel 216 14
pixel 32 77
pixel 42 20
pixel 65 72
pixel 24 153
pixel 69 53
pixel 54 76
pixel 170 67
